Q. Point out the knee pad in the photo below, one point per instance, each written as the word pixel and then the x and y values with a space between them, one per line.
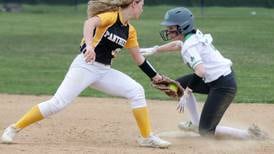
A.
pixel 52 106
pixel 137 96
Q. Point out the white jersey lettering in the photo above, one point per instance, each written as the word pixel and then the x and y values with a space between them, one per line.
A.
pixel 114 38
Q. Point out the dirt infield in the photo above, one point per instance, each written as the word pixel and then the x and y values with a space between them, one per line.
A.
pixel 98 125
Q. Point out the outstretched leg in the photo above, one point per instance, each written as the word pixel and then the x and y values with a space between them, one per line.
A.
pixel 126 87
pixel 76 80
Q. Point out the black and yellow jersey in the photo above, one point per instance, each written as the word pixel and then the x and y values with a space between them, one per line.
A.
pixel 110 36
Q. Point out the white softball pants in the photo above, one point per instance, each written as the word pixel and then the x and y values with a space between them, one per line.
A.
pixel 98 76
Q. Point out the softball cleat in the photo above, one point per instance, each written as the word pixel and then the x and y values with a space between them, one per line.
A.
pixel 153 141
pixel 256 133
pixel 9 134
pixel 188 126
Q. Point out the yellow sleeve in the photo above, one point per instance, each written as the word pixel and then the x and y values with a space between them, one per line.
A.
pixel 107 18
pixel 132 41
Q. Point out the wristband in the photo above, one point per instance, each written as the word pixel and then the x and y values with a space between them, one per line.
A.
pixel 148 69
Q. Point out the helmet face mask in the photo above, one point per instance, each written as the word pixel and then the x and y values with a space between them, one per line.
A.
pixel 168 34
pixel 180 17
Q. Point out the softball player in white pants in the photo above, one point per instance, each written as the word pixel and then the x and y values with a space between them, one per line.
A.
pixel 99 76
pixel 105 32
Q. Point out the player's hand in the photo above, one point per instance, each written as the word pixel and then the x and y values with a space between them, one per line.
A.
pixel 148 51
pixel 183 100
pixel 157 78
pixel 89 55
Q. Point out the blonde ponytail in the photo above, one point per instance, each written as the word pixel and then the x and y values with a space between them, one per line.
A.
pixel 99 6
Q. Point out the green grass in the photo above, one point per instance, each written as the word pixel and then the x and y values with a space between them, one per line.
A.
pixel 38 45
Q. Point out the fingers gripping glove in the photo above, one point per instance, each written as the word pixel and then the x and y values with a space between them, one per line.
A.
pixel 170 87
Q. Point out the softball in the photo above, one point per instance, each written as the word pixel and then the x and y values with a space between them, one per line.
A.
pixel 173 87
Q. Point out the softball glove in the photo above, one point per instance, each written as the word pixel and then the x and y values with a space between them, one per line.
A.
pixel 170 87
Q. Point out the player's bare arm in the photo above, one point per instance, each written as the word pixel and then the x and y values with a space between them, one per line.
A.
pixel 168 47
pixel 136 55
pixel 89 27
pixel 200 70
pixel 140 59
pixel 171 46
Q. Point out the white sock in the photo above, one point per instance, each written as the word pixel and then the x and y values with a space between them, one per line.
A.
pixel 229 132
pixel 191 105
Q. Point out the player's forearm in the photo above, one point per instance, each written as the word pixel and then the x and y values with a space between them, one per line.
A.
pixel 145 66
pixel 171 46
pixel 197 77
pixel 200 70
pixel 89 27
pixel 136 56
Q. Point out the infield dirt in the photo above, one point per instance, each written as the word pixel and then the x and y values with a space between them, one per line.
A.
pixel 106 125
